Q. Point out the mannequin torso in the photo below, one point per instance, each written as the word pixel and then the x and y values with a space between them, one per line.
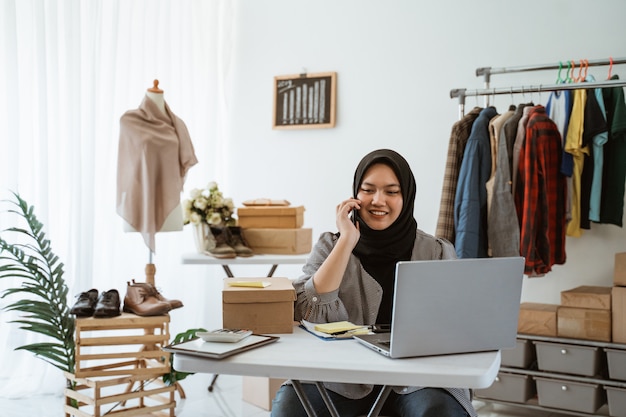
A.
pixel 174 221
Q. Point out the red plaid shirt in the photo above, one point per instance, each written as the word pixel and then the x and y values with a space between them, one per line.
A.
pixel 540 195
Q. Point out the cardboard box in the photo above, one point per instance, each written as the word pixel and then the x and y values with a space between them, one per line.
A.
pixel 260 391
pixel 619 270
pixel 587 296
pixel 262 310
pixel 538 319
pixel 584 323
pixel 618 314
pixel 277 217
pixel 279 241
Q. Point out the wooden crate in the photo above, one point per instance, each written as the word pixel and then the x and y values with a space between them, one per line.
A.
pixel 124 345
pixel 123 396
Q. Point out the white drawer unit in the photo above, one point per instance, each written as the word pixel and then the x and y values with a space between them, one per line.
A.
pixel 566 376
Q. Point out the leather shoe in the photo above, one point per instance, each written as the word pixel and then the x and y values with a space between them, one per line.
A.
pixel 221 250
pixel 237 242
pixel 151 290
pixel 141 302
pixel 85 304
pixel 108 304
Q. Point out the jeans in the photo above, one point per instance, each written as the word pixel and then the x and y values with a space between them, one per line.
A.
pixel 426 402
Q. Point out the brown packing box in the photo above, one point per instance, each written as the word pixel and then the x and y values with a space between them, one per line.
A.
pixel 584 323
pixel 587 296
pixel 279 241
pixel 270 217
pixel 538 319
pixel 262 310
pixel 260 391
pixel 619 270
pixel 619 314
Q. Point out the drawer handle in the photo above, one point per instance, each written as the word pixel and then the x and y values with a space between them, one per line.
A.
pixel 563 387
pixel 563 351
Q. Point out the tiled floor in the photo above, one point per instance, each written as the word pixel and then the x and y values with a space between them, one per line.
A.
pixel 224 401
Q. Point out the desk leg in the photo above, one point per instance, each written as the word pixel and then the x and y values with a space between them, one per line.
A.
pixel 327 400
pixel 380 401
pixel 229 273
pixel 297 386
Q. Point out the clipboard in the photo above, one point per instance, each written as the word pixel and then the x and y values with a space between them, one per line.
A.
pixel 219 350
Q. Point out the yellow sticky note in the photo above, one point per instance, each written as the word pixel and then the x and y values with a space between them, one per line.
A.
pixel 253 284
pixel 336 327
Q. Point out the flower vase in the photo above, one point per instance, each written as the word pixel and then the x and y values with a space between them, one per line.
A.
pixel 203 237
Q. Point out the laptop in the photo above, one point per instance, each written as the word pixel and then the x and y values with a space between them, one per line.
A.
pixel 452 306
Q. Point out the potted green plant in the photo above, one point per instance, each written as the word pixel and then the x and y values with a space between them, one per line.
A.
pixel 41 299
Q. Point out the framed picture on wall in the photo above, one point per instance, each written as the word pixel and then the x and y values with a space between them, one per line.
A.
pixel 305 101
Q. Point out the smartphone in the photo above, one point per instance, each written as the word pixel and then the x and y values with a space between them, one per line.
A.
pixel 353 215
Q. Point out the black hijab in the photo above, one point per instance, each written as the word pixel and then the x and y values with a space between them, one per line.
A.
pixel 380 250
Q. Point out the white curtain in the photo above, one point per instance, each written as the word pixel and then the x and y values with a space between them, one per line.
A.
pixel 70 69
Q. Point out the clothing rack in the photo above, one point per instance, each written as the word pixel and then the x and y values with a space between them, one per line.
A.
pixel 486 72
pixel 461 93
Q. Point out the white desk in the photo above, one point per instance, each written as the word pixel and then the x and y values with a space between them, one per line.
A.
pixel 273 260
pixel 303 357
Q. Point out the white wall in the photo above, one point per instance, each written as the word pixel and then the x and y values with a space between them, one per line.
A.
pixel 396 63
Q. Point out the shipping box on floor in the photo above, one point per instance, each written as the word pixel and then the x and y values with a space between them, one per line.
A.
pixel 260 391
pixel 538 319
pixel 262 310
pixel 619 314
pixel 619 270
pixel 584 323
pixel 587 296
pixel 277 217
pixel 279 241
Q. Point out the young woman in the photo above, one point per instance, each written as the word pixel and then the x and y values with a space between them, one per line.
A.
pixel 350 276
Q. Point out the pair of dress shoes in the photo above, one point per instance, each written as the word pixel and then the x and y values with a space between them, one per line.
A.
pixel 143 299
pixel 90 303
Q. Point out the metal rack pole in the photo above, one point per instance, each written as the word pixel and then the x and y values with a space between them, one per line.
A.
pixel 486 72
pixel 461 93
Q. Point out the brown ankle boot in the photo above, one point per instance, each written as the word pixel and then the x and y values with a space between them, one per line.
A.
pixel 140 302
pixel 221 250
pixel 237 242
pixel 151 290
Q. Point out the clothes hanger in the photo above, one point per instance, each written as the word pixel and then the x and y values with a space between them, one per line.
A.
pixel 559 80
pixel 568 76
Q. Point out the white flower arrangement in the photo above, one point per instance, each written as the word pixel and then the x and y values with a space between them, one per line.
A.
pixel 209 206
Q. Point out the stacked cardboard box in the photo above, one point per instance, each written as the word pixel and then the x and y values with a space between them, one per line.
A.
pixel 618 298
pixel 275 229
pixel 585 313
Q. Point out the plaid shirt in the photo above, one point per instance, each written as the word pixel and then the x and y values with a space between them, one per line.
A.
pixel 540 195
pixel 456 147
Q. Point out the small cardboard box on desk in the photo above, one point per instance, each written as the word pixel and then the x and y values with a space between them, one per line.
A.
pixel 266 309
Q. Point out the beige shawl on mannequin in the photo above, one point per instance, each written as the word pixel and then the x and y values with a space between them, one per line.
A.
pixel 155 152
